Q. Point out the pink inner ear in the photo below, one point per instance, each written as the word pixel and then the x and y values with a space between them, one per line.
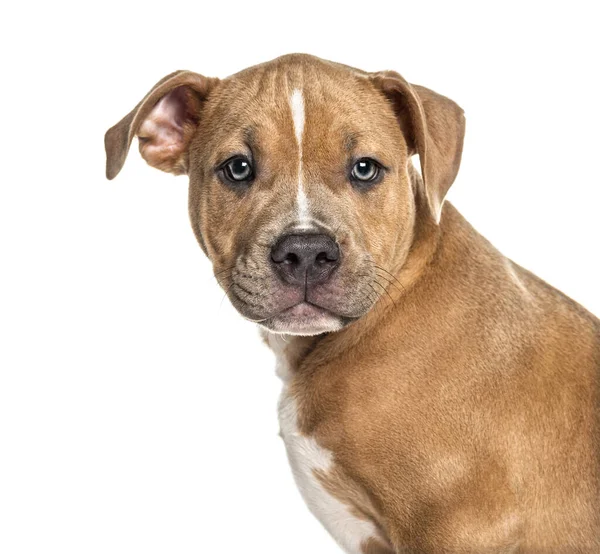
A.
pixel 163 134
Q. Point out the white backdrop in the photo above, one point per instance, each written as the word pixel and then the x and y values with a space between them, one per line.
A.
pixel 137 409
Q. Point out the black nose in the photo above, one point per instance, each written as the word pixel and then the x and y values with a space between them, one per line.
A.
pixel 306 259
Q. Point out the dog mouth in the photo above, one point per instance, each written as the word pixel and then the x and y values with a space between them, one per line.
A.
pixel 299 306
pixel 305 318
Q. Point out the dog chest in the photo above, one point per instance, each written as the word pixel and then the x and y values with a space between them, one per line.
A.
pixel 330 495
pixel 311 464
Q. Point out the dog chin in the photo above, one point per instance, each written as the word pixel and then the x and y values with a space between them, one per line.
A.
pixel 304 319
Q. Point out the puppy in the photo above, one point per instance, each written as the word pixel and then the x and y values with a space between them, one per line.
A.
pixel 437 397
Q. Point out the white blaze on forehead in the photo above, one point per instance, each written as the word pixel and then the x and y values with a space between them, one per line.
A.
pixel 297 103
pixel 298 117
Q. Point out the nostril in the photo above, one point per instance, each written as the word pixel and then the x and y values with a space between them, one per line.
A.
pixel 324 257
pixel 291 259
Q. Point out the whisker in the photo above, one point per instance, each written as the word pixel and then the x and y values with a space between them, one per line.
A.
pixel 390 282
pixel 225 284
pixel 375 301
pixel 226 291
pixel 215 276
pixel 386 291
pixel 391 275
pixel 366 297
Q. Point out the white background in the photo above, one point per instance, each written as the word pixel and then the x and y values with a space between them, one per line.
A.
pixel 137 409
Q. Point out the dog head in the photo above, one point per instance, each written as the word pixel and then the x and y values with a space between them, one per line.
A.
pixel 302 193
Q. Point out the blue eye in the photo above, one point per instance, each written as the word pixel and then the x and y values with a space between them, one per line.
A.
pixel 365 170
pixel 238 170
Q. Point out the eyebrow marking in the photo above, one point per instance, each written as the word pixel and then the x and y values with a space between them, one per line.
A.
pixel 247 145
pixel 249 134
pixel 298 117
pixel 350 140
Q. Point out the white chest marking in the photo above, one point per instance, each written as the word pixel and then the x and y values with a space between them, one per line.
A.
pixel 305 455
pixel 298 117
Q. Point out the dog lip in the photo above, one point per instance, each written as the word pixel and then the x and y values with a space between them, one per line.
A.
pixel 305 309
pixel 306 318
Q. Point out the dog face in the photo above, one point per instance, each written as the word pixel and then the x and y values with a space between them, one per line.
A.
pixel 302 193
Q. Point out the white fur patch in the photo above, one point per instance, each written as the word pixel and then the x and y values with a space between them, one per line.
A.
pixel 297 104
pixel 278 344
pixel 302 202
pixel 305 455
pixel 298 117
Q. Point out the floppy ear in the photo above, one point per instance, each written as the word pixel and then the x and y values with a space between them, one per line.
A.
pixel 434 127
pixel 164 121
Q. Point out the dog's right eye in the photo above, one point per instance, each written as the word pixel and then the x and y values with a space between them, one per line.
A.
pixel 365 170
pixel 238 170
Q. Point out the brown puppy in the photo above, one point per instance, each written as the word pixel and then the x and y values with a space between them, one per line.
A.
pixel 437 397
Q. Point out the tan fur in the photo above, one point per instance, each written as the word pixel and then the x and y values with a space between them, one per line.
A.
pixel 461 400
pixel 373 546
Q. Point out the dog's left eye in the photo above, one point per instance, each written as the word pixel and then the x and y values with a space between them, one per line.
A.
pixel 365 170
pixel 238 169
